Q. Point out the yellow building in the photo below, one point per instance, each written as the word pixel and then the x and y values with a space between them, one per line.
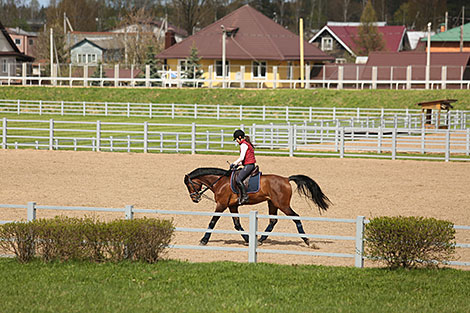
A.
pixel 258 52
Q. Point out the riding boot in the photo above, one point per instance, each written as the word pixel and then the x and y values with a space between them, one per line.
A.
pixel 243 197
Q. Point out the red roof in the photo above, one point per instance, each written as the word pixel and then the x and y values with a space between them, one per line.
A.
pixel 257 37
pixel 392 36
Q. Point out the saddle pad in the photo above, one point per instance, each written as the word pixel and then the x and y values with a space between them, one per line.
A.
pixel 253 184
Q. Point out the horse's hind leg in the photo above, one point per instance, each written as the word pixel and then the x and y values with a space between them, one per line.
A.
pixel 207 235
pixel 272 222
pixel 237 224
pixel 298 224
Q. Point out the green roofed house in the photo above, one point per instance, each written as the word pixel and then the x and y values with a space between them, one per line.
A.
pixel 449 41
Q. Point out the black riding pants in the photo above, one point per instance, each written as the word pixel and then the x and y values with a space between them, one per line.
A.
pixel 245 171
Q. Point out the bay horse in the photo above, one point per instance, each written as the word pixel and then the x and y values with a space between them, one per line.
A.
pixel 274 189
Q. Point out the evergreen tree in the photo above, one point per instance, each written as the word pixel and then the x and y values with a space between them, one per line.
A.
pixel 98 74
pixel 193 68
pixel 369 39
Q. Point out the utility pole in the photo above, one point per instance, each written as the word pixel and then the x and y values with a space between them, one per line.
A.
pixel 301 35
pixel 461 29
pixel 224 36
pixel 52 51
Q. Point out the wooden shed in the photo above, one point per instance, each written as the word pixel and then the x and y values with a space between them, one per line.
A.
pixel 434 108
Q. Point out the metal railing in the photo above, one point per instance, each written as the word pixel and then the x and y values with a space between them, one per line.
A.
pixel 352 117
pixel 252 250
pixel 291 140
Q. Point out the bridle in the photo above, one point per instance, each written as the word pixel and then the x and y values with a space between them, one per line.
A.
pixel 198 194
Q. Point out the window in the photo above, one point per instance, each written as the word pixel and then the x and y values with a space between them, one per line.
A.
pixel 31 42
pixel 259 69
pixel 218 68
pixel 327 43
pixel 290 70
pixel 184 65
pixel 18 41
pixel 4 66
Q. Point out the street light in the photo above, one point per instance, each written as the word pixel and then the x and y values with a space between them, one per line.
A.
pixel 428 56
pixel 224 36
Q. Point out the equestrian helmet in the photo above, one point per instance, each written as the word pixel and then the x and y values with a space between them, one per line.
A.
pixel 238 133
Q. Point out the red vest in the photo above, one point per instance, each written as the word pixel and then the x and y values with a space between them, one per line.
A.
pixel 250 153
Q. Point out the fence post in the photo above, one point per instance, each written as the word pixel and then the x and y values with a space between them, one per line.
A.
pixel 374 77
pixel 359 255
pixel 129 212
pixel 408 77
pixel 51 134
pixel 147 75
pixel 340 77
pixel 31 211
pixel 394 144
pixel 443 77
pixel 23 72
pixel 4 133
pixel 146 136
pixel 341 143
pixel 193 138
pixel 291 140
pixel 116 75
pixel 274 77
pixel 253 240
pixel 98 135
pixel 447 153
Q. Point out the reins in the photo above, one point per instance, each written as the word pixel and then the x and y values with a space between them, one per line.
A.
pixel 200 193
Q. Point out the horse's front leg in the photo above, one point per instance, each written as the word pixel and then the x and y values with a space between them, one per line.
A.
pixel 272 222
pixel 236 222
pixel 219 209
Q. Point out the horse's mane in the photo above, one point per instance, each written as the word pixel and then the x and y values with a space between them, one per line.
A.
pixel 208 171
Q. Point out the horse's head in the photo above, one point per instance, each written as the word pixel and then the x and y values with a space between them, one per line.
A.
pixel 194 188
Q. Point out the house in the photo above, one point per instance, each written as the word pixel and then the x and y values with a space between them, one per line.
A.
pixel 339 39
pixel 449 41
pixel 257 50
pixel 100 50
pixel 10 56
pixel 25 41
pixel 158 28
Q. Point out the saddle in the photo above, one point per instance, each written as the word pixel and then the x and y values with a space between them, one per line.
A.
pixel 251 182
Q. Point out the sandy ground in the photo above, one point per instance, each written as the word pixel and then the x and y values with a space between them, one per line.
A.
pixel 155 181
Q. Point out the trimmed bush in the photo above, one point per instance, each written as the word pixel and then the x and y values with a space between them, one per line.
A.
pixel 20 239
pixel 64 238
pixel 409 242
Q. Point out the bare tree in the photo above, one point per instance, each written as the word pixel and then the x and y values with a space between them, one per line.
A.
pixel 192 14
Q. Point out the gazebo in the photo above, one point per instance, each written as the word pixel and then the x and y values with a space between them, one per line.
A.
pixel 438 105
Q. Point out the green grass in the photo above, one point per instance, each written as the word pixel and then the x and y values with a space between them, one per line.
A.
pixel 270 97
pixel 171 286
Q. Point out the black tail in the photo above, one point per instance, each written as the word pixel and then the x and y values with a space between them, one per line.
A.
pixel 309 188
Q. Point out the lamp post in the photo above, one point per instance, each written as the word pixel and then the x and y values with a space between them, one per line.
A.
pixel 428 56
pixel 224 36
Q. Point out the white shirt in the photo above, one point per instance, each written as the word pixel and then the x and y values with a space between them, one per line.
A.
pixel 243 149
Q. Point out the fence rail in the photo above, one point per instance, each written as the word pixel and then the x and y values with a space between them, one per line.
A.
pixel 359 117
pixel 273 139
pixel 252 232
pixel 337 76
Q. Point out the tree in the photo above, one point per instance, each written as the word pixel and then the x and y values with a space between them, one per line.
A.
pixel 191 14
pixel 193 68
pixel 369 39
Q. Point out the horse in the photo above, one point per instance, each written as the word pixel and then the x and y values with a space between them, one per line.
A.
pixel 274 189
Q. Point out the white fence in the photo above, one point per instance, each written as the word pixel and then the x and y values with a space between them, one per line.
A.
pixel 338 76
pixel 291 140
pixel 357 255
pixel 352 117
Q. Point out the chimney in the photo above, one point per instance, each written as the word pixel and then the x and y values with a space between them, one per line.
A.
pixel 169 38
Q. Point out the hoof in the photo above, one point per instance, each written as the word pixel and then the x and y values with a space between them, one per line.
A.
pixel 202 242
pixel 260 243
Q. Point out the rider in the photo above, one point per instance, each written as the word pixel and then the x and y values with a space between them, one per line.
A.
pixel 247 158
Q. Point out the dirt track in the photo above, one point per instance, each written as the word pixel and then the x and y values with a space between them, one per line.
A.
pixel 355 186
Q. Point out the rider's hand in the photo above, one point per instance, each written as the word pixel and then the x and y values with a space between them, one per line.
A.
pixel 232 166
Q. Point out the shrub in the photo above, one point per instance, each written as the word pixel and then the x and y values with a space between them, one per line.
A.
pixel 409 242
pixel 64 238
pixel 19 238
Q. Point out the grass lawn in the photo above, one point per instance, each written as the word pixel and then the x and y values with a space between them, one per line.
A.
pixel 269 97
pixel 172 286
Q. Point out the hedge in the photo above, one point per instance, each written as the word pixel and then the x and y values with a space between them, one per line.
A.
pixel 64 238
pixel 409 242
